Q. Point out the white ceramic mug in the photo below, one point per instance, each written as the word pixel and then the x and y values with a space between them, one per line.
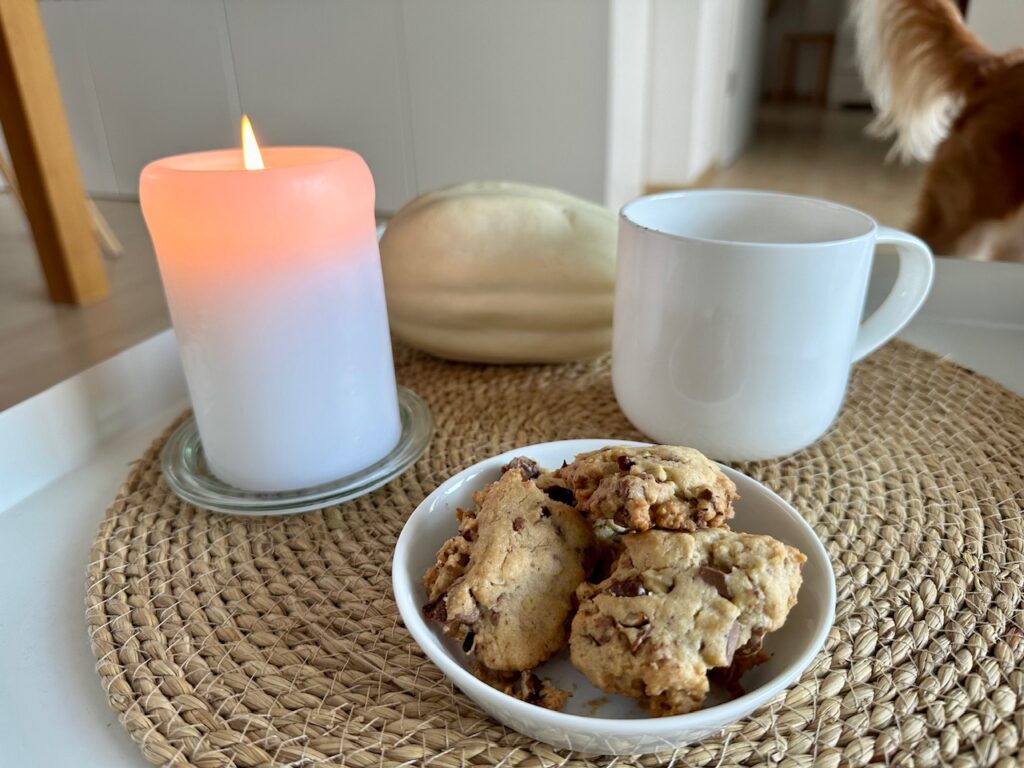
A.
pixel 738 315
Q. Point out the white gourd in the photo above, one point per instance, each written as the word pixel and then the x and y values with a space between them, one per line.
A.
pixel 501 272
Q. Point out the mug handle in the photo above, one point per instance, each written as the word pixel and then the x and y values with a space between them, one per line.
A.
pixel 906 297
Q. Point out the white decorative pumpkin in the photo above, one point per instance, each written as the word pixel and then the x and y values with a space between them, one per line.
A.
pixel 500 272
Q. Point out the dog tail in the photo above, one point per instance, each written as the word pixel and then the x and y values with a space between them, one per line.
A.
pixel 919 61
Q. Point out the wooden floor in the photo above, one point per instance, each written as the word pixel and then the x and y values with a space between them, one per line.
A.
pixel 825 153
pixel 802 151
pixel 42 343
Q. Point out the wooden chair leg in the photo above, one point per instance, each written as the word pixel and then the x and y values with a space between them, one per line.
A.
pixel 44 161
pixel 110 242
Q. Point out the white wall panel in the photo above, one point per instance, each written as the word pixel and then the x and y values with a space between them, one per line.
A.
pixel 514 90
pixel 999 23
pixel 709 87
pixel 160 78
pixel 628 100
pixel 704 85
pixel 675 43
pixel 744 31
pixel 430 93
pixel 62 21
pixel 326 72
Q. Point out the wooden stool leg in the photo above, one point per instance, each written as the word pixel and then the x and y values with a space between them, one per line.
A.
pixel 99 223
pixel 824 70
pixel 44 159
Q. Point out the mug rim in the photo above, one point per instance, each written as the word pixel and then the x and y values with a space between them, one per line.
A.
pixel 625 215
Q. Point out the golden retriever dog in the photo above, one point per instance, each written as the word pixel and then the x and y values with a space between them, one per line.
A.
pixel 950 102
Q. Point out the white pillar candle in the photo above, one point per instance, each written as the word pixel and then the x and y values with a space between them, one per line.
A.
pixel 274 285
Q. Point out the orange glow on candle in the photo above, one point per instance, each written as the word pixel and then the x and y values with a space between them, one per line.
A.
pixel 251 157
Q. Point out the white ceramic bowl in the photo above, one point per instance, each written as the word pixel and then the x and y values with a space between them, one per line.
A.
pixel 593 721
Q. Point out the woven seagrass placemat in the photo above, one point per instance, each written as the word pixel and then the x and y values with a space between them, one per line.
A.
pixel 248 642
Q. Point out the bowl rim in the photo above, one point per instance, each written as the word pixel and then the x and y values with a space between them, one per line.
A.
pixel 714 717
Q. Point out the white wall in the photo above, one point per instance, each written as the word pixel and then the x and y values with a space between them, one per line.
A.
pixel 78 91
pixel 674 61
pixel 712 74
pixel 597 98
pixel 429 93
pixel 629 97
pixel 999 23
pixel 744 24
pixel 705 73
pixel 327 72
pixel 514 90
pixel 160 77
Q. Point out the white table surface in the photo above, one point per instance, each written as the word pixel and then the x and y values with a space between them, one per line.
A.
pixel 64 453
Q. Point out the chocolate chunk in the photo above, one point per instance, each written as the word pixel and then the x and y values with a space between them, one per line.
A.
pixel 436 610
pixel 731 641
pixel 467 643
pixel 745 658
pixel 715 578
pixel 469 534
pixel 631 587
pixel 545 512
pixel 528 467
pixel 625 463
pixel 605 628
pixel 751 650
pixel 602 561
pixel 561 495
pixel 518 523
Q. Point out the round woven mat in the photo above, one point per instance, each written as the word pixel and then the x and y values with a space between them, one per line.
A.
pixel 276 641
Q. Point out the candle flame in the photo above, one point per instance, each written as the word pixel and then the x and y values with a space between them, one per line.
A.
pixel 251 157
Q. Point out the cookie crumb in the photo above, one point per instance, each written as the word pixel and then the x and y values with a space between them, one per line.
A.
pixel 594 705
pixel 525 686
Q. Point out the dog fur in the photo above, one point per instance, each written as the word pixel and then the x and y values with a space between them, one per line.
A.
pixel 951 102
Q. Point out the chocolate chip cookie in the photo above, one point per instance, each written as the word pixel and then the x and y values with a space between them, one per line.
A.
pixel 678 604
pixel 660 486
pixel 506 584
